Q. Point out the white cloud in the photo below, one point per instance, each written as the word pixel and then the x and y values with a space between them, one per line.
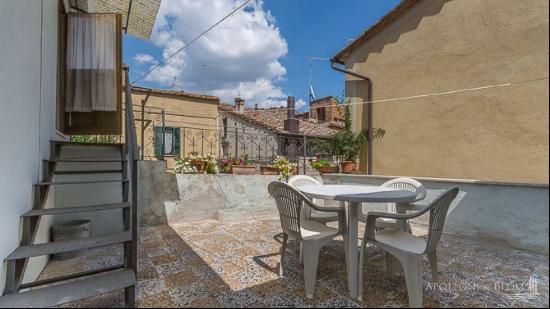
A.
pixel 144 58
pixel 243 53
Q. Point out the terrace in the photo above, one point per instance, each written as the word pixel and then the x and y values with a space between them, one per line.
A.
pixel 209 263
pixel 226 254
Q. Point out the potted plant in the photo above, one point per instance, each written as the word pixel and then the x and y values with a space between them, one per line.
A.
pixel 238 166
pixel 324 166
pixel 198 162
pixel 284 167
pixel 347 144
pixel 185 167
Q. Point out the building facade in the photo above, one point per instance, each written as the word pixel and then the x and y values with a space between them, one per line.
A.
pixel 328 109
pixel 497 133
pixel 190 124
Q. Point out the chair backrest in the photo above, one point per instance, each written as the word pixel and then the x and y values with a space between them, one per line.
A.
pixel 289 203
pixel 438 213
pixel 303 180
pixel 407 184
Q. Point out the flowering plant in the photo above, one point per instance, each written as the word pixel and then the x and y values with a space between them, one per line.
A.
pixel 185 167
pixel 228 163
pixel 285 168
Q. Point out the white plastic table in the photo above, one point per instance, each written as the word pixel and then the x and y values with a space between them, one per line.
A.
pixel 355 195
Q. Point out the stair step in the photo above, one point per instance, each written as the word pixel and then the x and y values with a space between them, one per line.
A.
pixel 67 210
pixel 75 144
pixel 68 245
pixel 70 292
pixel 83 160
pixel 88 172
pixel 64 183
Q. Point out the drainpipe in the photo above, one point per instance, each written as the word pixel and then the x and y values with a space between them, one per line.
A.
pixel 334 64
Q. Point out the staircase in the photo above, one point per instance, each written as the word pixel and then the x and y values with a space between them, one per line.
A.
pixel 75 165
pixel 69 164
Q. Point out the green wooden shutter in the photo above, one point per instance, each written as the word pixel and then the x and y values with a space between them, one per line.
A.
pixel 157 141
pixel 177 141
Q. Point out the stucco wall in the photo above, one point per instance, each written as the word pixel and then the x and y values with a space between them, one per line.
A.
pixel 165 197
pixel 516 214
pixel 28 70
pixel 190 114
pixel 493 134
pixel 250 136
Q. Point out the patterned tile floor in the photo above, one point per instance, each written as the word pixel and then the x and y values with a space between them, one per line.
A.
pixel 214 264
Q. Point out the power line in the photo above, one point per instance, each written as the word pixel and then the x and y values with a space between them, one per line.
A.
pixel 396 99
pixel 245 3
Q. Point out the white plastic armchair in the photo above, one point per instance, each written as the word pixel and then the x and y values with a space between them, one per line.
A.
pixel 407 248
pixel 311 214
pixel 312 235
pixel 407 184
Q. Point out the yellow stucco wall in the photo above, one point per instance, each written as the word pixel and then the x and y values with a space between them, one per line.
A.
pixel 499 134
pixel 197 119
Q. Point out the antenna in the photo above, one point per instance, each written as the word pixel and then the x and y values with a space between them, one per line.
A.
pixel 205 72
pixel 311 91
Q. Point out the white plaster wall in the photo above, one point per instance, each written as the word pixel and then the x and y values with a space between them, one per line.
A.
pixel 28 70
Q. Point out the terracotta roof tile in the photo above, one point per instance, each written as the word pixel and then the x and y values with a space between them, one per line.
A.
pixel 273 120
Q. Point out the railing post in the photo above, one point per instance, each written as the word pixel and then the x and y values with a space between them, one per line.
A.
pixel 163 150
pixel 142 130
pixel 236 142
pixel 305 154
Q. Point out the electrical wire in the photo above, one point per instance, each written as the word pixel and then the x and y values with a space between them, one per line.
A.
pixel 245 3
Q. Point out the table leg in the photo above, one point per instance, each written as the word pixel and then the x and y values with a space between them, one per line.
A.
pixel 353 252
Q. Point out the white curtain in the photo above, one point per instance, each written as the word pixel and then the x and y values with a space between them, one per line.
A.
pixel 91 77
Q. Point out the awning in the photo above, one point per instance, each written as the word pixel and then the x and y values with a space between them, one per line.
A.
pixel 138 16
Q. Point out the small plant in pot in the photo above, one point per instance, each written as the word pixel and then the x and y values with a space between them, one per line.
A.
pixel 237 166
pixel 324 166
pixel 198 162
pixel 284 167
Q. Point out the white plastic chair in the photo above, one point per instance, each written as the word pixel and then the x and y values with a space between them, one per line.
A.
pixel 311 214
pixel 312 235
pixel 407 248
pixel 407 184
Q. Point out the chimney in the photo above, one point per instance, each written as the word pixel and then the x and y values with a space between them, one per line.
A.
pixel 239 105
pixel 291 124
pixel 256 110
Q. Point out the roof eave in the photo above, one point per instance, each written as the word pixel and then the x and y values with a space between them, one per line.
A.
pixel 373 30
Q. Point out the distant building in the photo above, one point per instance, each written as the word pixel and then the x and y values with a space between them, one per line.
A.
pixel 327 109
pixel 262 134
pixel 187 117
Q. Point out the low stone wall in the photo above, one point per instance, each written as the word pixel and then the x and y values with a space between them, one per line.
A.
pixel 514 213
pixel 171 198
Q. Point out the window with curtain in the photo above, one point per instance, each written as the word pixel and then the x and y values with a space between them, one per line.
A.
pixel 171 141
pixel 91 73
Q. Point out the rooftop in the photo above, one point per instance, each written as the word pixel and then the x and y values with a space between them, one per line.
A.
pixel 216 264
pixel 143 90
pixel 273 119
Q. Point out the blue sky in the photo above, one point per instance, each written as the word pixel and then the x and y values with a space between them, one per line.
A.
pixel 260 54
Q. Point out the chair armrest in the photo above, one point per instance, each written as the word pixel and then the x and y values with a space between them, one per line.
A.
pixel 341 211
pixel 373 216
pixel 411 207
pixel 324 209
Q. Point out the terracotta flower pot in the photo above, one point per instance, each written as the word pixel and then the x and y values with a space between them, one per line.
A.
pixel 200 165
pixel 269 170
pixel 328 169
pixel 348 167
pixel 243 170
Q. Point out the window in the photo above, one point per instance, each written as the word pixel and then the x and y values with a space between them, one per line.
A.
pixel 167 144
